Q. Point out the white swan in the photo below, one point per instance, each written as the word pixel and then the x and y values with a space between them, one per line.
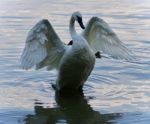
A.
pixel 74 62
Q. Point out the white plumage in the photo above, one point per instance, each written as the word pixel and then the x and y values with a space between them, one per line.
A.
pixel 102 38
pixel 43 47
pixel 75 62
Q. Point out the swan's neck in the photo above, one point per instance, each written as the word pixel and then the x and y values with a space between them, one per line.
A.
pixel 72 27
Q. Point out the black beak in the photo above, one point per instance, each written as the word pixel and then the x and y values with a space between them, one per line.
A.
pixel 80 22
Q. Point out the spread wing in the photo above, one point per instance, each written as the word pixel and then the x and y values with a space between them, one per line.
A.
pixel 102 38
pixel 42 48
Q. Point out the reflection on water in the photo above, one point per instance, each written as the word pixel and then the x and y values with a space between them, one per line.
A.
pixel 70 109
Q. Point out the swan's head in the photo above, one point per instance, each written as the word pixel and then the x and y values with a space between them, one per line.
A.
pixel 78 17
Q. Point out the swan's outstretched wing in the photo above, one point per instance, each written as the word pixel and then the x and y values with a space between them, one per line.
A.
pixel 42 48
pixel 102 38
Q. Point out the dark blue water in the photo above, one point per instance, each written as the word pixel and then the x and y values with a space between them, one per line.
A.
pixel 116 92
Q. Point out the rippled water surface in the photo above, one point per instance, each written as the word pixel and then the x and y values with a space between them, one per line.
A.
pixel 117 91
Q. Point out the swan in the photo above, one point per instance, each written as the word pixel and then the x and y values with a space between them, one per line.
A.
pixel 44 48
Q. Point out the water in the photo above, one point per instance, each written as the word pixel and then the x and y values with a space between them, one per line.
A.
pixel 117 91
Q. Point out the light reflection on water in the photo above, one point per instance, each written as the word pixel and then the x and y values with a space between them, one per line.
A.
pixel 117 91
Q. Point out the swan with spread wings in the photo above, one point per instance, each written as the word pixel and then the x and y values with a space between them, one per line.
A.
pixel 44 48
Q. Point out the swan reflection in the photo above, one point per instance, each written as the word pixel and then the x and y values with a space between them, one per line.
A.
pixel 72 109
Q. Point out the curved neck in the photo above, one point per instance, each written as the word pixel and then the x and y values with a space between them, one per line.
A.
pixel 72 27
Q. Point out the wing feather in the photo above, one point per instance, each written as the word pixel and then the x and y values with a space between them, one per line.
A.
pixel 41 45
pixel 102 38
